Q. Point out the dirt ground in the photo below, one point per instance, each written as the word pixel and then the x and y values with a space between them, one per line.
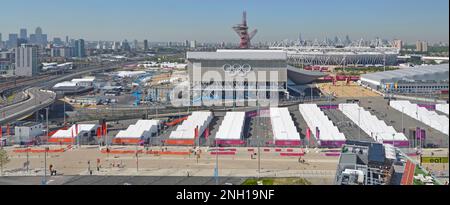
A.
pixel 341 89
pixel 317 166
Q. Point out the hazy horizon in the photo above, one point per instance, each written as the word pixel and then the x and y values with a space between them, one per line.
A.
pixel 211 21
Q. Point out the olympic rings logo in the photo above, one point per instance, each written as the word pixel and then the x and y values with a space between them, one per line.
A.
pixel 237 69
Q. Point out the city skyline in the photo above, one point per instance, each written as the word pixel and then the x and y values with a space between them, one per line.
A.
pixel 175 20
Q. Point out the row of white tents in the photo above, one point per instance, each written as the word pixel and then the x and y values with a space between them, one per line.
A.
pixel 430 118
pixel 186 130
pixel 232 126
pixel 443 108
pixel 282 125
pixel 143 129
pixel 370 124
pixel 316 119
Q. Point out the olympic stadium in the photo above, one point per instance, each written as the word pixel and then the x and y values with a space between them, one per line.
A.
pixel 336 55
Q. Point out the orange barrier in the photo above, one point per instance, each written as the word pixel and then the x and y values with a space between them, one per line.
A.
pixel 277 150
pixel 126 140
pixel 103 151
pixel 266 150
pixel 39 150
pixel 167 152
pixel 251 150
pixel 177 121
pixel 223 153
pixel 62 140
pixel 180 142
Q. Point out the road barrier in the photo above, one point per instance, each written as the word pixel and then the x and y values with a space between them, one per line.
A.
pixel 223 153
pixel 290 154
pixel 39 150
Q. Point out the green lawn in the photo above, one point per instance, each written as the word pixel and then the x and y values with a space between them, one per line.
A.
pixel 418 171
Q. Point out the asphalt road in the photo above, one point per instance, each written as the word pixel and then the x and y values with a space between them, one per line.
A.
pixel 120 180
pixel 38 99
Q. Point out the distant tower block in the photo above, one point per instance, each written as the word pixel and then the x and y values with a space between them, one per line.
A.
pixel 242 31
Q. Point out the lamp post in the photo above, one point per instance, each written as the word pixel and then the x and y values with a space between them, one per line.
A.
pixel 44 181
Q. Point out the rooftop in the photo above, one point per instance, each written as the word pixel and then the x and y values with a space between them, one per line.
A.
pixel 239 55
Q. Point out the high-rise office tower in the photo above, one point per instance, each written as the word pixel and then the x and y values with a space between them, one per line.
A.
pixel 13 40
pixel 26 60
pixel 135 45
pixel 23 34
pixel 79 49
pixel 38 37
pixel 145 45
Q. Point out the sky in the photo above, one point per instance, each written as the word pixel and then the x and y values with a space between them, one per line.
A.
pixel 211 20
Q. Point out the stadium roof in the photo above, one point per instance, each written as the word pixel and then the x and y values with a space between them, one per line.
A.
pixel 239 54
pixel 433 72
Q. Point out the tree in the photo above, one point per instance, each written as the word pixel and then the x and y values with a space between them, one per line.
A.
pixel 4 159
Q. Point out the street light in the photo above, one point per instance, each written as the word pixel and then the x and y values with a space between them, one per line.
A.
pixel 44 181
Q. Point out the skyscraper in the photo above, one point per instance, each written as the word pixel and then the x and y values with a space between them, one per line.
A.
pixel 79 49
pixel 38 37
pixel 26 60
pixel 145 45
pixel 135 45
pixel 23 34
pixel 125 46
pixel 12 40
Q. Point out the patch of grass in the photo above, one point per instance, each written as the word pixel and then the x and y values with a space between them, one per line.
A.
pixel 278 181
pixel 418 171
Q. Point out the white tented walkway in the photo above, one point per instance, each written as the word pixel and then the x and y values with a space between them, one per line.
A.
pixel 314 117
pixel 442 107
pixel 143 129
pixel 282 125
pixel 187 129
pixel 430 118
pixel 370 124
pixel 232 126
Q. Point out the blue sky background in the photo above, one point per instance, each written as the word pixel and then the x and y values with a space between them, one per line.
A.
pixel 211 20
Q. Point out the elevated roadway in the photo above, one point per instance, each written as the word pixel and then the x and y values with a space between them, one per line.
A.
pixel 39 97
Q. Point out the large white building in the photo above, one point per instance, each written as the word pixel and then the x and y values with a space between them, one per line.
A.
pixel 236 74
pixel 232 76
pixel 27 60
pixel 420 79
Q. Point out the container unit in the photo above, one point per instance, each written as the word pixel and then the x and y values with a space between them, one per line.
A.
pixel 185 133
pixel 374 127
pixel 284 131
pixel 316 120
pixel 142 130
pixel 430 118
pixel 231 130
pixel 443 108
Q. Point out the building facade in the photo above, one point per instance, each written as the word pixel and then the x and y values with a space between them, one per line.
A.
pixel 26 60
pixel 79 49
pixel 233 76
